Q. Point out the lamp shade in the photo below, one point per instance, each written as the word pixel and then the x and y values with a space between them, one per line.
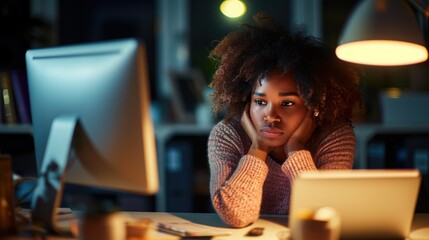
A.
pixel 384 33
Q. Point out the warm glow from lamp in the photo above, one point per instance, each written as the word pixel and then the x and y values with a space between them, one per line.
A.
pixel 382 52
pixel 233 8
pixel 382 33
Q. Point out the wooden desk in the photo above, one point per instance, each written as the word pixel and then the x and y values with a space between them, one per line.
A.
pixel 272 225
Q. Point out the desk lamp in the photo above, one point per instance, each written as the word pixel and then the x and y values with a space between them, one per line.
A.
pixel 383 33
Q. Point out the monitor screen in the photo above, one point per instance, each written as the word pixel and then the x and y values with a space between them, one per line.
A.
pixel 91 103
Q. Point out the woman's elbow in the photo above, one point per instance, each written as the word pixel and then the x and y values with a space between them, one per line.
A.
pixel 237 222
pixel 235 217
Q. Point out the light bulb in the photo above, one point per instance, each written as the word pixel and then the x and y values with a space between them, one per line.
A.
pixel 233 8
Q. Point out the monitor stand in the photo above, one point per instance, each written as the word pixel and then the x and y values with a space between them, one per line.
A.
pixel 49 188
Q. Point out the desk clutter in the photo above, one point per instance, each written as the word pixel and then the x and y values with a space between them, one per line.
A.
pixel 109 226
pixel 144 226
pixel 101 219
pixel 113 226
pixel 147 225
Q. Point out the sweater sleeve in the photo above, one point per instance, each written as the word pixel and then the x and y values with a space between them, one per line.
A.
pixel 332 150
pixel 236 179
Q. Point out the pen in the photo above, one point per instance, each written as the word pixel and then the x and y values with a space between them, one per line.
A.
pixel 173 230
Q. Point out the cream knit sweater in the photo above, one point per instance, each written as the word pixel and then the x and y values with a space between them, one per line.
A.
pixel 242 186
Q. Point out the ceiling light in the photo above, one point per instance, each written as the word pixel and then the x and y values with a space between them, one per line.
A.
pixel 233 8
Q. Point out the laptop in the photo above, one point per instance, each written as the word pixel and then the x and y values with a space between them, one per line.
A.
pixel 372 204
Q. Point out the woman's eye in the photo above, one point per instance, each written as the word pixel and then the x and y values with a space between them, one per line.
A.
pixel 259 102
pixel 287 103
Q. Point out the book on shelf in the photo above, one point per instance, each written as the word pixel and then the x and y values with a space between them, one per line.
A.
pixel 22 100
pixel 8 98
pixel 2 115
pixel 14 98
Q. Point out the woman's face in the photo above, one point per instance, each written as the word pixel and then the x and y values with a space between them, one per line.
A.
pixel 276 109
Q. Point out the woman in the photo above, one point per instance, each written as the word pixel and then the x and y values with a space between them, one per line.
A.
pixel 288 105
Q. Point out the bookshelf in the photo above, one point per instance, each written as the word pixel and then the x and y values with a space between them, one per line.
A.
pixel 365 133
pixel 182 158
pixel 16 129
pixel 17 141
pixel 16 133
pixel 396 146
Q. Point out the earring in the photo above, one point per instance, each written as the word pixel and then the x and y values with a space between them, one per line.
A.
pixel 316 113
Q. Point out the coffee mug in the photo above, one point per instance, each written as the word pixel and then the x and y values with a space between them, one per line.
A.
pixel 322 224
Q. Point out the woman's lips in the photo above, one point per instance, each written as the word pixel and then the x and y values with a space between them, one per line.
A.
pixel 270 132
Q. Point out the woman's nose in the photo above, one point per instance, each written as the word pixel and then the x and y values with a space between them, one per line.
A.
pixel 270 119
pixel 271 115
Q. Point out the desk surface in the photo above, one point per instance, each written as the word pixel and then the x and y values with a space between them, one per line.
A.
pixel 272 224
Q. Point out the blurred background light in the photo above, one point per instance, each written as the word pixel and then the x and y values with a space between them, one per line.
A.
pixel 393 92
pixel 233 8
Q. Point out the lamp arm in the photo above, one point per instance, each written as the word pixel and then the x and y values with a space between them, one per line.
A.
pixel 421 7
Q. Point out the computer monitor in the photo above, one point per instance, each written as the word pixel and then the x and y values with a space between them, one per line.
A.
pixel 90 107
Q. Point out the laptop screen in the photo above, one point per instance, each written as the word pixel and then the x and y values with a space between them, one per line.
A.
pixel 371 203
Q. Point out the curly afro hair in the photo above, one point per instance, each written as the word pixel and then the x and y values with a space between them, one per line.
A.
pixel 244 57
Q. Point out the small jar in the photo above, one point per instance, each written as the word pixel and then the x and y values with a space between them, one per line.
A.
pixel 7 208
pixel 102 221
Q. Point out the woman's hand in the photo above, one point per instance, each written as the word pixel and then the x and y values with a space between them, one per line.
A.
pixel 257 149
pixel 301 135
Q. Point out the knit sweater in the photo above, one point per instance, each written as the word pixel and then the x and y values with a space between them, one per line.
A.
pixel 242 186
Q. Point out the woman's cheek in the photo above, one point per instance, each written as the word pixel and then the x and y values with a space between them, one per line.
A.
pixel 254 115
